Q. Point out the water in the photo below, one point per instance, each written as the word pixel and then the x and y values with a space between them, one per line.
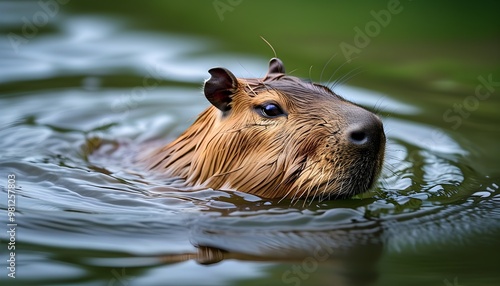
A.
pixel 76 104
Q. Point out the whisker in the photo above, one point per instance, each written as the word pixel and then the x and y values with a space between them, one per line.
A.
pixel 269 44
pixel 324 67
pixel 335 72
pixel 345 78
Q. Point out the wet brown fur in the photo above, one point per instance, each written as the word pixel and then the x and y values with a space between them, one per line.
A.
pixel 299 155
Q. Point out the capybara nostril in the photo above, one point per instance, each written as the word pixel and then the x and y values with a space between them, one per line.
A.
pixel 365 130
pixel 358 137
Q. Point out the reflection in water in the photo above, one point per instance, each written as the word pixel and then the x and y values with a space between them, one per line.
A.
pixel 71 124
pixel 350 255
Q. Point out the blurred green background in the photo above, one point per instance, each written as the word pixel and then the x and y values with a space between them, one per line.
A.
pixel 441 42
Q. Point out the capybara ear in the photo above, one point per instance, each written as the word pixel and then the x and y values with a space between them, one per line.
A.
pixel 276 66
pixel 220 88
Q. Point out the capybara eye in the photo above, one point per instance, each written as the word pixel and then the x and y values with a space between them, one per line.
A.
pixel 270 110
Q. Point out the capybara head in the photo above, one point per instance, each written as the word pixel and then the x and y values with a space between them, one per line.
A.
pixel 277 137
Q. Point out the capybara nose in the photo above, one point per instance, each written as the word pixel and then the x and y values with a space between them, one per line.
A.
pixel 365 131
